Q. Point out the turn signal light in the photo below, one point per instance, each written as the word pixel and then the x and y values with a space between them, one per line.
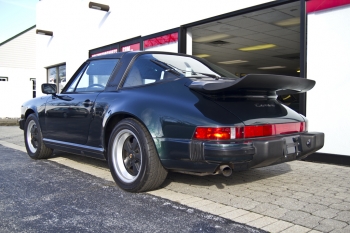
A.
pixel 250 131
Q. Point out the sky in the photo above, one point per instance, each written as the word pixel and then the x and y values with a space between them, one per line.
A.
pixel 16 16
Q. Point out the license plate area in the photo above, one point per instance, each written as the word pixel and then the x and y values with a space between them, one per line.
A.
pixel 291 145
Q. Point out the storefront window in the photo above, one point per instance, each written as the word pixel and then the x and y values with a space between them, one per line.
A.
pixel 111 51
pixel 57 75
pixel 133 47
pixel 265 41
pixel 167 43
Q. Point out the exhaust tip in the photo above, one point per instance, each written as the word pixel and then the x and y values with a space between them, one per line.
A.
pixel 226 170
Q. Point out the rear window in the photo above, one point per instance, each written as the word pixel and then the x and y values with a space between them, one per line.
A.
pixel 151 68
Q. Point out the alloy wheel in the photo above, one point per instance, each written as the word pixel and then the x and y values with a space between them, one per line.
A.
pixel 127 156
pixel 32 136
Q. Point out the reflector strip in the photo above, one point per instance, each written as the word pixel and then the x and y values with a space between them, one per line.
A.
pixel 252 131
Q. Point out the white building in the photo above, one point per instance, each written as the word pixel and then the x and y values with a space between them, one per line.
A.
pixel 253 36
pixel 17 72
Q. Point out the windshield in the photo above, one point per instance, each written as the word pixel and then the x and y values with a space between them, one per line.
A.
pixel 189 67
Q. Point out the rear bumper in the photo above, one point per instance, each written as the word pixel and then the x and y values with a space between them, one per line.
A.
pixel 264 152
pixel 258 152
pixel 287 149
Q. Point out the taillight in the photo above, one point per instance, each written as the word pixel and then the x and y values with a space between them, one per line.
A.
pixel 211 133
pixel 250 131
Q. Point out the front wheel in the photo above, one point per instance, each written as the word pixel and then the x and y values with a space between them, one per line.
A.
pixel 34 140
pixel 133 159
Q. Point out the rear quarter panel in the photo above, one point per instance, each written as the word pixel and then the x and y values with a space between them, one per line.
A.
pixel 170 112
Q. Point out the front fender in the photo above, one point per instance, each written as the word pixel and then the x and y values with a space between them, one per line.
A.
pixel 36 106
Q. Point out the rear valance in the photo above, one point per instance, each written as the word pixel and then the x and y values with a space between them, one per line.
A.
pixel 256 82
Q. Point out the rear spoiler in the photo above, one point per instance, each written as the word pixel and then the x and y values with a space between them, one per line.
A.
pixel 277 84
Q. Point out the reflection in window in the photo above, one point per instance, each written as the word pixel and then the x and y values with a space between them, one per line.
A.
pixel 57 75
pixel 291 101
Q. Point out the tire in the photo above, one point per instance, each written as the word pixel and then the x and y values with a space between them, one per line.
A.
pixel 34 140
pixel 133 158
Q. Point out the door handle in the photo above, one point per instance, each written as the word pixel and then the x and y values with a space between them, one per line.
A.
pixel 88 103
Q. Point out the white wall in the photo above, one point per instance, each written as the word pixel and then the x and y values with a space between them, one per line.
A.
pixel 17 62
pixel 15 91
pixel 77 28
pixel 328 62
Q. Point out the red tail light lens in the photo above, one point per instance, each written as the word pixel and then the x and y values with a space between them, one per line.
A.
pixel 212 133
pixel 250 131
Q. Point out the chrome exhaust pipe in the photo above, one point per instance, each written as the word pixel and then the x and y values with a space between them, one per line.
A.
pixel 226 170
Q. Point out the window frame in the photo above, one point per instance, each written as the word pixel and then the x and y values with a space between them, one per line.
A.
pixel 33 80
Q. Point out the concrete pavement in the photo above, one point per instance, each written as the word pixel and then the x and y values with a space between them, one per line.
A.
pixel 292 197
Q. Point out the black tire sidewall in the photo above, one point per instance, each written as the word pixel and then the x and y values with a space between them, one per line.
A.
pixel 137 184
pixel 40 140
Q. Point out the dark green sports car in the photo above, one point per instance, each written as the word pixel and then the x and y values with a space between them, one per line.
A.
pixel 148 113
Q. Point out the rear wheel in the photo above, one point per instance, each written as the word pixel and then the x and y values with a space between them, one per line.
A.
pixel 34 140
pixel 133 159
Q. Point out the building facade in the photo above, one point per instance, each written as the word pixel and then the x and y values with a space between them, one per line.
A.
pixel 288 37
pixel 17 72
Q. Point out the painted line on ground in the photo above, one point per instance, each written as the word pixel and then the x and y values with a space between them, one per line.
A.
pixel 238 215
pixel 13 146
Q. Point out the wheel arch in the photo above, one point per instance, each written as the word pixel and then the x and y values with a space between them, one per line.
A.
pixel 28 112
pixel 112 121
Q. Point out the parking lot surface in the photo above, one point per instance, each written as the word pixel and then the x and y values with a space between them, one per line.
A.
pixel 44 196
pixel 296 196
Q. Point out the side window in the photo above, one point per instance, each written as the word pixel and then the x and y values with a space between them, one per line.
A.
pixel 71 88
pixel 94 77
pixel 144 71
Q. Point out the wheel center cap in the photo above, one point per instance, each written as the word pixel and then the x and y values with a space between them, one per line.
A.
pixel 130 156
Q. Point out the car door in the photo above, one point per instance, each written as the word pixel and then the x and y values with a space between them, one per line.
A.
pixel 68 115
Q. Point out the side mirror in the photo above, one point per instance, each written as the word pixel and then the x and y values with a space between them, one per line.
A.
pixel 48 88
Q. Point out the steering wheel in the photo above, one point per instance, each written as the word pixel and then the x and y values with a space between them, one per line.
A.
pixel 96 85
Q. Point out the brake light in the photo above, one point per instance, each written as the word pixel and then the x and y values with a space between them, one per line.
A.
pixel 250 131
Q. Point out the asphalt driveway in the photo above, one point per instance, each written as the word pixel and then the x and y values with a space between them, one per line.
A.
pixel 44 196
